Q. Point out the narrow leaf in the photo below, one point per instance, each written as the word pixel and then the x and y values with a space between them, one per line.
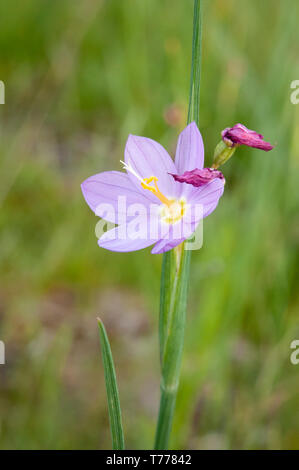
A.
pixel 112 391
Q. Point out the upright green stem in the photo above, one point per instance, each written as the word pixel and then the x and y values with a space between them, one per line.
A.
pixel 174 280
pixel 193 111
pixel 174 284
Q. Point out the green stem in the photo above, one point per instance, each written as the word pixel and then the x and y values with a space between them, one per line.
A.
pixel 174 280
pixel 193 111
pixel 174 284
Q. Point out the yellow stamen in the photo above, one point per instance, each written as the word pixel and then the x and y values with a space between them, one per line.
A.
pixel 173 213
pixel 155 190
pixel 173 209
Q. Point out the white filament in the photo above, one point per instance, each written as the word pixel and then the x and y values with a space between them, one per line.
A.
pixel 128 167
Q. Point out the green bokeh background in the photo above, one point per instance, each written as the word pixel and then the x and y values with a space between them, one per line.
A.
pixel 79 77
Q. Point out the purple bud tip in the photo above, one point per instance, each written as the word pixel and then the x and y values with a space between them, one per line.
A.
pixel 240 135
pixel 198 177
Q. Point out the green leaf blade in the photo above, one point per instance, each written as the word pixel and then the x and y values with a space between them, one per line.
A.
pixel 114 409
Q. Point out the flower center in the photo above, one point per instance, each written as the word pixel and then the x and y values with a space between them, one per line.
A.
pixel 174 212
pixel 172 209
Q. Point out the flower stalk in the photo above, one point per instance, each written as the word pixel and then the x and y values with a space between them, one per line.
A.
pixel 175 278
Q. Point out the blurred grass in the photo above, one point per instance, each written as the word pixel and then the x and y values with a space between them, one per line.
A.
pixel 79 77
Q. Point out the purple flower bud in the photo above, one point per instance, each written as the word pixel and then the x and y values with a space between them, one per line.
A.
pixel 240 135
pixel 198 177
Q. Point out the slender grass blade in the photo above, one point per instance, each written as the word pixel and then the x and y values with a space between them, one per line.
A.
pixel 114 409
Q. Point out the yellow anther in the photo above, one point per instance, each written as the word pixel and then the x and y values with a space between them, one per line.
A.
pixel 146 183
pixel 155 190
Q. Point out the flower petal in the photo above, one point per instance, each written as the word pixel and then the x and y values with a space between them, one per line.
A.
pixel 241 135
pixel 109 189
pixel 198 177
pixel 190 150
pixel 148 158
pixel 189 154
pixel 124 239
pixel 165 245
pixel 175 235
pixel 208 196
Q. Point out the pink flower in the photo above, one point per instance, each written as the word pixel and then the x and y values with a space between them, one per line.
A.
pixel 240 135
pixel 199 177
pixel 147 188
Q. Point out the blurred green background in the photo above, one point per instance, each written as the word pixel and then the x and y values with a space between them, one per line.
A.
pixel 79 77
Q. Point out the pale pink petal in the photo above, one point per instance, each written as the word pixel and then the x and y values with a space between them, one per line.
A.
pixel 208 196
pixel 190 149
pixel 125 239
pixel 165 245
pixel 148 158
pixel 189 153
pixel 114 189
pixel 175 235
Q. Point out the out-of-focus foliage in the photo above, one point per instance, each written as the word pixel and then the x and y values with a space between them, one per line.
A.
pixel 79 77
